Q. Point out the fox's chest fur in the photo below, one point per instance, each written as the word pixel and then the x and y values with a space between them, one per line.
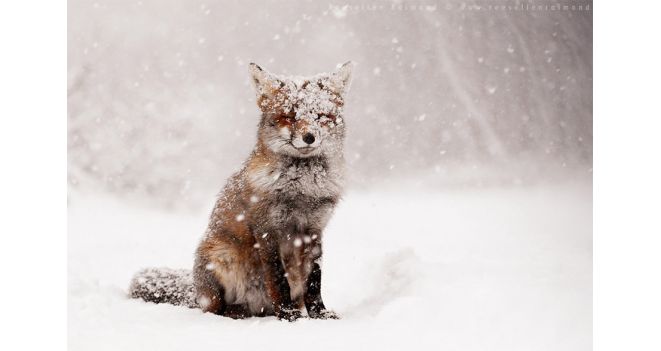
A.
pixel 298 195
pixel 312 178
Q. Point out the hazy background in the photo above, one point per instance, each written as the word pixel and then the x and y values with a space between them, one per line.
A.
pixel 160 106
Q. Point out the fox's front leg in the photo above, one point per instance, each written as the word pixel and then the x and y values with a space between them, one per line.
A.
pixel 276 282
pixel 313 301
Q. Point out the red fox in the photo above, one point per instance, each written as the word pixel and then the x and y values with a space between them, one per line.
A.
pixel 261 254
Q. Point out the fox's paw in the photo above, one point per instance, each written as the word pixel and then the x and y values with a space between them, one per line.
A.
pixel 324 314
pixel 289 315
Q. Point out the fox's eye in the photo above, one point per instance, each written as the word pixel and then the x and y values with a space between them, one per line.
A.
pixel 285 118
pixel 291 116
pixel 326 117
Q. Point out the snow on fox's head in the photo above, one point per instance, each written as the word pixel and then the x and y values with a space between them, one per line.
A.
pixel 302 116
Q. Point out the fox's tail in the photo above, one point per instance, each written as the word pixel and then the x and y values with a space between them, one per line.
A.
pixel 164 285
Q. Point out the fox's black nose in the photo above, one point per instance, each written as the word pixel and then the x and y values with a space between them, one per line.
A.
pixel 308 138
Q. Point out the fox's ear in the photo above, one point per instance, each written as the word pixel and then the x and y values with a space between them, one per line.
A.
pixel 341 79
pixel 263 81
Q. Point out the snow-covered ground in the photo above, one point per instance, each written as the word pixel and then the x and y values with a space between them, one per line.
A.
pixel 483 269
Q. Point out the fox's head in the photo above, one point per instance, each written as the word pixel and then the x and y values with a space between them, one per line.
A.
pixel 302 116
